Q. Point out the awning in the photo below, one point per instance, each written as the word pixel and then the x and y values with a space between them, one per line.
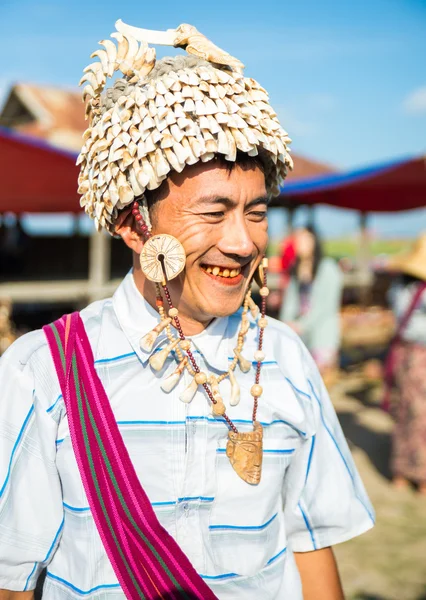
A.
pixel 387 187
pixel 36 176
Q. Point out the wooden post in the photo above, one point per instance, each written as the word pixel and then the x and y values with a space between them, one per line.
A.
pixel 290 219
pixel 99 264
pixel 364 258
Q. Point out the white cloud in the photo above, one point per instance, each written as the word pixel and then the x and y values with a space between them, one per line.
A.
pixel 415 102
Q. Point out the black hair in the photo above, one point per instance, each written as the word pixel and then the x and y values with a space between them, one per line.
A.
pixel 317 255
pixel 407 279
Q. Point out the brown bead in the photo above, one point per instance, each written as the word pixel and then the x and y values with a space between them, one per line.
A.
pixel 256 390
pixel 201 378
pixel 219 408
pixel 185 345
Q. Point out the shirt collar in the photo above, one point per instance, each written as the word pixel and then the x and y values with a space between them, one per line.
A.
pixel 137 317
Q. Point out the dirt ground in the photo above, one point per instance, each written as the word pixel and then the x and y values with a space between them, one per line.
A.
pixel 389 562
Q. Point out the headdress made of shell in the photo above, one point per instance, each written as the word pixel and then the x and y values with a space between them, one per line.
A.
pixel 163 116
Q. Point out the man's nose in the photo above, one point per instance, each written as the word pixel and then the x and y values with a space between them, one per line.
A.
pixel 236 239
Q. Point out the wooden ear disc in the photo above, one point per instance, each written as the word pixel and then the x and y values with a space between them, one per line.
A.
pixel 162 258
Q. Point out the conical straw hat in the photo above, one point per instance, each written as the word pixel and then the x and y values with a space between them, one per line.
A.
pixel 413 262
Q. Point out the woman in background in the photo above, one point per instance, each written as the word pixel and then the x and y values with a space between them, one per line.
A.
pixel 311 302
pixel 406 368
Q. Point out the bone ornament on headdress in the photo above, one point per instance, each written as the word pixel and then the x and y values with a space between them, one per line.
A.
pixel 160 118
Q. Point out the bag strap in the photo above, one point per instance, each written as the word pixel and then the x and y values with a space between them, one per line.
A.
pixel 147 561
pixel 390 359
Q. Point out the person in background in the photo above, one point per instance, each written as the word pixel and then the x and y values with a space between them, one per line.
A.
pixel 406 368
pixel 311 302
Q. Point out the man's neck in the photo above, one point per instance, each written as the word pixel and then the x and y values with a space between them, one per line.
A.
pixel 190 325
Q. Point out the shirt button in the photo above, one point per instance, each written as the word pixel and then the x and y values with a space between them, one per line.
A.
pixel 185 507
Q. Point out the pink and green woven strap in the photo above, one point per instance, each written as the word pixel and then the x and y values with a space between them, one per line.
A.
pixel 147 561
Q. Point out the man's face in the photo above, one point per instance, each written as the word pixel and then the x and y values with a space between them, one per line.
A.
pixel 220 219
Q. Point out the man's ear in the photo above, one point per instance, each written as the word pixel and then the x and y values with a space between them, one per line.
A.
pixel 125 227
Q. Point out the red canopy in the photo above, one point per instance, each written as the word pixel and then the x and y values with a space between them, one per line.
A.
pixel 394 186
pixel 36 177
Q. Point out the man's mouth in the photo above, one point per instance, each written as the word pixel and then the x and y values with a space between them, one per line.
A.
pixel 221 271
pixel 224 275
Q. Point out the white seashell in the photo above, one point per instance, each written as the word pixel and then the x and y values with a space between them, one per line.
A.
pixel 221 106
pixel 160 87
pixel 152 108
pixel 181 152
pixel 221 91
pixel 158 359
pixel 187 91
pixel 162 167
pixel 111 51
pixel 188 394
pixel 160 101
pixel 235 389
pixel 103 57
pixel 169 98
pixel 167 141
pixel 170 117
pixel 210 106
pixel 193 79
pixel 183 76
pixel 213 93
pixel 208 155
pixel 245 326
pixel 137 188
pixel 232 147
pixel 200 107
pixel 189 105
pixel 179 112
pixel 240 140
pixel 190 159
pixel 179 99
pixel 222 143
pixel 170 382
pixel 245 365
pixel 197 94
pixel 173 160
pixel 148 340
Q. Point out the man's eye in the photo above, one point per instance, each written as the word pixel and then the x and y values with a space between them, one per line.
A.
pixel 214 215
pixel 258 214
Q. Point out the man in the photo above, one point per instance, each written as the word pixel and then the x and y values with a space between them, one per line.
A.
pixel 230 433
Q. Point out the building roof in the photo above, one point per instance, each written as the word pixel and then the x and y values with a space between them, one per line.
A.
pixel 50 113
pixel 56 115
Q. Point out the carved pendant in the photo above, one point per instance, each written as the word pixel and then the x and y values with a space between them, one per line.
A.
pixel 245 453
pixel 162 257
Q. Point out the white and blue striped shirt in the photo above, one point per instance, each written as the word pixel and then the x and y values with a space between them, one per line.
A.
pixel 240 538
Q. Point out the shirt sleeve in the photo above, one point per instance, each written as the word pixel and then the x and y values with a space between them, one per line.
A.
pixel 31 511
pixel 325 500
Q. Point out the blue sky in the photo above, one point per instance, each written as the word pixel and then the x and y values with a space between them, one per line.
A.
pixel 347 78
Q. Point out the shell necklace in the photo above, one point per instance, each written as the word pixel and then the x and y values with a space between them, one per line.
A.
pixel 163 258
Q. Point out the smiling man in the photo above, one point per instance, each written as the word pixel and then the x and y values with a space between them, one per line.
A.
pixel 172 442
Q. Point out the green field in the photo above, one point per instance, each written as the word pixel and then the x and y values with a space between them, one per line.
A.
pixel 340 248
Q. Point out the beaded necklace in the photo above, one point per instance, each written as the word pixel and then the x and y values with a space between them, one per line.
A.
pixel 244 449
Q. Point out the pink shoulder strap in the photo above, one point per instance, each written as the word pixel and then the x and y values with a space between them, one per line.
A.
pixel 147 561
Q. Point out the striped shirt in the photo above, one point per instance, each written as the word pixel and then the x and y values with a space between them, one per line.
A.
pixel 240 538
